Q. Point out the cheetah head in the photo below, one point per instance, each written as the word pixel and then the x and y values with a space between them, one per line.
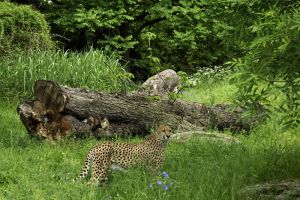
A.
pixel 165 132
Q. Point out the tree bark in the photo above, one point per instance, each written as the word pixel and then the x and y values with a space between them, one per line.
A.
pixel 59 111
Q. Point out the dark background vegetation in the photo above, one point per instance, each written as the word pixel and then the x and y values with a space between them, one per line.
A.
pixel 153 35
pixel 257 38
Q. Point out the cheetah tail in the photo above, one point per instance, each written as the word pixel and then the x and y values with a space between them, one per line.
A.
pixel 86 167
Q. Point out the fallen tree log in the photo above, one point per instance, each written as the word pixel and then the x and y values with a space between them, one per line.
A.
pixel 60 111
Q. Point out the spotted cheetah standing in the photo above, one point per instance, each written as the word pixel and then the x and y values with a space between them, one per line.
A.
pixel 110 155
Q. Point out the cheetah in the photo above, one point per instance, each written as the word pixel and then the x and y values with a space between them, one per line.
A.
pixel 110 155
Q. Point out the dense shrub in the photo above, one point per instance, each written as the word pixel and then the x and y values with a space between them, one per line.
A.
pixel 268 75
pixel 150 36
pixel 21 29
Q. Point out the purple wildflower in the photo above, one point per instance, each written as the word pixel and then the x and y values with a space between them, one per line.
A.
pixel 166 187
pixel 165 174
pixel 159 182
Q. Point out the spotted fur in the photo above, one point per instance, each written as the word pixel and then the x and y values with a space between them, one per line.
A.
pixel 109 155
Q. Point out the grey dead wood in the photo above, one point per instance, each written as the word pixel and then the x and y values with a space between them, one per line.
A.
pixel 59 111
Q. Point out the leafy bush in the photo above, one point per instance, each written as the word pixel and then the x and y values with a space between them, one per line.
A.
pixel 188 37
pixel 150 36
pixel 21 29
pixel 92 69
pixel 269 73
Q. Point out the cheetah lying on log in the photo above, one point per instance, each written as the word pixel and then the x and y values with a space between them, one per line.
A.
pixel 110 155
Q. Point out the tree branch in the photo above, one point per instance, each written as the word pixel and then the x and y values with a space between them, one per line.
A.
pixel 148 23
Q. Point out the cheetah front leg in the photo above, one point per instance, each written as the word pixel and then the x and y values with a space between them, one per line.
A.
pixel 156 162
pixel 100 167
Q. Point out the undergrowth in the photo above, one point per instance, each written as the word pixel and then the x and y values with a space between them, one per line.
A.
pixel 210 86
pixel 92 69
pixel 197 169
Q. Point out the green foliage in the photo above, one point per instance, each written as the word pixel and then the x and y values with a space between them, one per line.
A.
pixel 92 69
pixel 189 35
pixel 151 36
pixel 22 29
pixel 270 71
pixel 199 169
pixel 259 37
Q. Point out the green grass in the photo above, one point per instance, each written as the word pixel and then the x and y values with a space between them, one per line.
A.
pixel 211 92
pixel 92 69
pixel 199 169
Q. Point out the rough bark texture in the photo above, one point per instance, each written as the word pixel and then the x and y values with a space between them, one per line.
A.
pixel 60 111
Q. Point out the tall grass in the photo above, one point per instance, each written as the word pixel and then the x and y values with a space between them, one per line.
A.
pixel 210 86
pixel 92 69
pixel 198 169
pixel 211 92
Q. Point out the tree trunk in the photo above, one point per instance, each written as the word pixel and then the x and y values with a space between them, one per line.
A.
pixel 60 111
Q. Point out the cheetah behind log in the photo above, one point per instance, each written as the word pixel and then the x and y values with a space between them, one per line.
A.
pixel 110 155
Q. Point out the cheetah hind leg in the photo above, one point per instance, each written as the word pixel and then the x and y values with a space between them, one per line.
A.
pixel 100 168
pixel 155 164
